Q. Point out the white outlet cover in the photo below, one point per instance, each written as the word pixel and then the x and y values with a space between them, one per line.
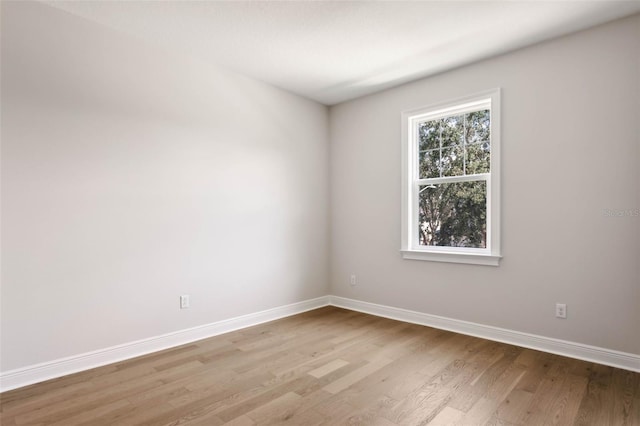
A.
pixel 184 301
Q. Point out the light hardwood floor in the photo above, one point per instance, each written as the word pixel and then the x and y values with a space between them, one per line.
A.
pixel 335 367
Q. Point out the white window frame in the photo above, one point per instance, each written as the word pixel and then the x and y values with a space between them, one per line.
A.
pixel 411 182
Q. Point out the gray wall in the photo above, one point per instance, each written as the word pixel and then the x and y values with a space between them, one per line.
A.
pixel 570 150
pixel 132 175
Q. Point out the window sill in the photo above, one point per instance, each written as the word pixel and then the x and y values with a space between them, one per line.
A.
pixel 450 257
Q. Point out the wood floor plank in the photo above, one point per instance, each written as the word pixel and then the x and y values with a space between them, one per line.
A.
pixel 482 412
pixel 544 398
pixel 15 406
pixel 328 368
pixel 332 411
pixel 241 421
pixel 142 405
pixel 331 366
pixel 565 407
pixel 447 416
pixel 89 416
pixel 626 387
pixel 52 413
pixel 268 394
pixel 370 413
pixel 511 409
pixel 302 412
pixel 346 381
pixel 279 409
pixel 428 400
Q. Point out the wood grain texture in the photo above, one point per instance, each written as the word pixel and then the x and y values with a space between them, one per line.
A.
pixel 332 366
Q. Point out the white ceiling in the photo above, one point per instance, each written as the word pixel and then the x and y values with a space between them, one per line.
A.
pixel 332 51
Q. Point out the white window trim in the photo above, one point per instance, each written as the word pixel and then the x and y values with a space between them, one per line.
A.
pixel 410 249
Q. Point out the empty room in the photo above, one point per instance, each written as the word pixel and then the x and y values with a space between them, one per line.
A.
pixel 320 213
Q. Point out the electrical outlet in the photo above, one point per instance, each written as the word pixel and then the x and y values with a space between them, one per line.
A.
pixel 352 280
pixel 561 310
pixel 184 301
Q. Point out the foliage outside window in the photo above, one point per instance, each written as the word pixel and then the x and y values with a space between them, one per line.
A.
pixel 451 181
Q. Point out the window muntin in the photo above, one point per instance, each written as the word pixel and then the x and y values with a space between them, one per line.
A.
pixel 454 146
pixel 451 189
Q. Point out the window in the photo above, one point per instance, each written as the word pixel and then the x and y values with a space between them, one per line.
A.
pixel 451 181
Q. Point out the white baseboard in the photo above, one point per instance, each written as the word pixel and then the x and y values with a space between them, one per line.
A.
pixel 49 370
pixel 61 367
pixel 595 354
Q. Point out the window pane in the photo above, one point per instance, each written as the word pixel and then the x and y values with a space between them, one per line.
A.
pixel 429 164
pixel 452 161
pixel 478 158
pixel 453 214
pixel 477 126
pixel 452 130
pixel 429 133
